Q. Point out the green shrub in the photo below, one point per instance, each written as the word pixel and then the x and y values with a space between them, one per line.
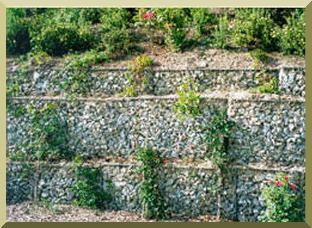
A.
pixel 152 23
pixel 17 33
pixel 175 27
pixel 189 102
pixel 172 24
pixel 283 201
pixel 202 20
pixel 280 15
pixel 292 37
pixel 61 33
pixel 152 200
pixel 85 60
pixel 254 28
pixel 117 40
pixel 117 43
pixel 92 15
pixel 115 18
pixel 221 32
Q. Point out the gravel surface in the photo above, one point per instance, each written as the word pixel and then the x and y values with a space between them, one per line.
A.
pixel 197 57
pixel 36 212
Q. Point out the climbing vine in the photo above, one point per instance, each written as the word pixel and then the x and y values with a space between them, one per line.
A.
pixel 152 200
pixel 47 139
pixel 217 133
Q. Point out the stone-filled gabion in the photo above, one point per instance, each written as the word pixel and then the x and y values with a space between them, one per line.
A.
pixel 269 137
pixel 186 190
pixel 18 189
pixel 108 82
pixel 292 81
pixel 269 129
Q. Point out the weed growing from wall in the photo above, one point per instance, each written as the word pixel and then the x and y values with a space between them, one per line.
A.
pixel 260 58
pixel 152 200
pixel 137 78
pixel 268 83
pixel 189 102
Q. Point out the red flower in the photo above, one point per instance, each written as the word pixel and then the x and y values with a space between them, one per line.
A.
pixel 140 175
pixel 165 161
pixel 286 178
pixel 293 186
pixel 220 135
pixel 145 16
pixel 192 146
pixel 278 183
pixel 271 182
pixel 151 15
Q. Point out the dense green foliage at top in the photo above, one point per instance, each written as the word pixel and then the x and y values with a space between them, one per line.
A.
pixel 106 34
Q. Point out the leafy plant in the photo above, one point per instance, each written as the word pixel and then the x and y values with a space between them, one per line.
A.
pixel 49 205
pixel 117 39
pixel 17 32
pixel 268 84
pixel 259 57
pixel 292 36
pixel 152 200
pixel 28 170
pixel 170 23
pixel 137 79
pixel 61 33
pixel 203 20
pixel 283 201
pixel 13 88
pixel 254 28
pixel 152 23
pixel 87 189
pixel 189 102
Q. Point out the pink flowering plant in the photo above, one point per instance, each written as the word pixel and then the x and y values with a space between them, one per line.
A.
pixel 164 25
pixel 283 200
pixel 152 23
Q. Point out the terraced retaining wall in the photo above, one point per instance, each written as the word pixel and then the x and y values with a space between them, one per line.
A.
pixel 269 137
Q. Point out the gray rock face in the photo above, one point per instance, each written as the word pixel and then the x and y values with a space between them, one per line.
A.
pixel 108 82
pixel 271 132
